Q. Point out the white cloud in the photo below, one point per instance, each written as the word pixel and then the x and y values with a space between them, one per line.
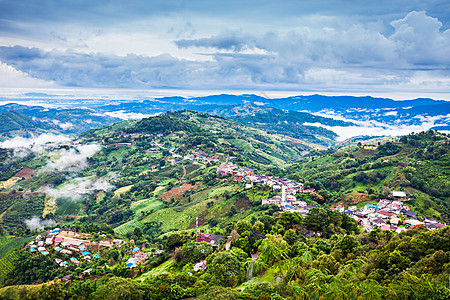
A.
pixel 374 128
pixel 315 52
pixel 75 188
pixel 419 40
pixel 12 78
pixel 36 223
pixel 62 125
pixel 390 113
pixel 74 159
pixel 127 115
pixel 36 144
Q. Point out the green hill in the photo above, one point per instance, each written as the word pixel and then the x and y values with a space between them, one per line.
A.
pixel 13 121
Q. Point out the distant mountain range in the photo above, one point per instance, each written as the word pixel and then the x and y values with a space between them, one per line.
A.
pixel 384 110
pixel 298 116
pixel 23 120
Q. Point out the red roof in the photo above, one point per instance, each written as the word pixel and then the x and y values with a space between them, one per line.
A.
pixel 205 237
pixel 385 213
pixel 385 227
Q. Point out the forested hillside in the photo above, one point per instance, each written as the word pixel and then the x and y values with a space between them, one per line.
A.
pixel 22 120
pixel 14 121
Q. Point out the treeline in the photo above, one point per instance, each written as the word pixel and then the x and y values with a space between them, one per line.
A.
pixel 163 124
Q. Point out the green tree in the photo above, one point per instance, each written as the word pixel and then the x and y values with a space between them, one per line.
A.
pixel 193 253
pixel 273 250
pixel 243 226
pixel 225 266
pixel 347 244
pixel 288 219
pixel 290 236
pixel 120 288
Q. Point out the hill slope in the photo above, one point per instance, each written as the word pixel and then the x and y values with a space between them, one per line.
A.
pixel 23 120
pixel 418 164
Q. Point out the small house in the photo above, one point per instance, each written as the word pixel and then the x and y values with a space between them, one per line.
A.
pixel 410 214
pixel 200 266
pixel 395 221
pixel 399 195
pixel 412 222
pixel 211 239
pixel 433 226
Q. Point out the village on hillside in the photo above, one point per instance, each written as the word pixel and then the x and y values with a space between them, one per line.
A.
pixel 70 247
pixel 392 215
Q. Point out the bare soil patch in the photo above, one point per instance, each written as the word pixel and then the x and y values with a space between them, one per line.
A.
pixel 355 198
pixel 177 192
pixel 243 204
pixel 25 173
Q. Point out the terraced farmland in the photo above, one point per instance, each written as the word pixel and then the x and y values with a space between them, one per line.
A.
pixel 6 264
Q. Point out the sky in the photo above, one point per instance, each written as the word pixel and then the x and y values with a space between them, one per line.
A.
pixel 311 46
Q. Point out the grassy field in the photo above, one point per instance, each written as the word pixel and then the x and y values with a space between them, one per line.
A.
pixel 221 190
pixel 122 190
pixel 9 183
pixel 7 246
pixel 10 243
pixel 128 227
pixel 67 207
pixel 243 144
pixel 177 219
pixel 192 168
pixel 163 268
pixel 146 205
pixel 50 205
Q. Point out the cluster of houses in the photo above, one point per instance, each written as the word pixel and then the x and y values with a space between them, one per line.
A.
pixel 247 175
pixel 193 155
pixel 79 247
pixel 138 256
pixel 287 201
pixel 154 147
pixel 391 215
pixel 67 242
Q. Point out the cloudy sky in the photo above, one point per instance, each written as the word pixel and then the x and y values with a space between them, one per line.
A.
pixel 328 46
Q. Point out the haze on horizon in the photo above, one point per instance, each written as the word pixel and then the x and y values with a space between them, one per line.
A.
pixel 396 49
